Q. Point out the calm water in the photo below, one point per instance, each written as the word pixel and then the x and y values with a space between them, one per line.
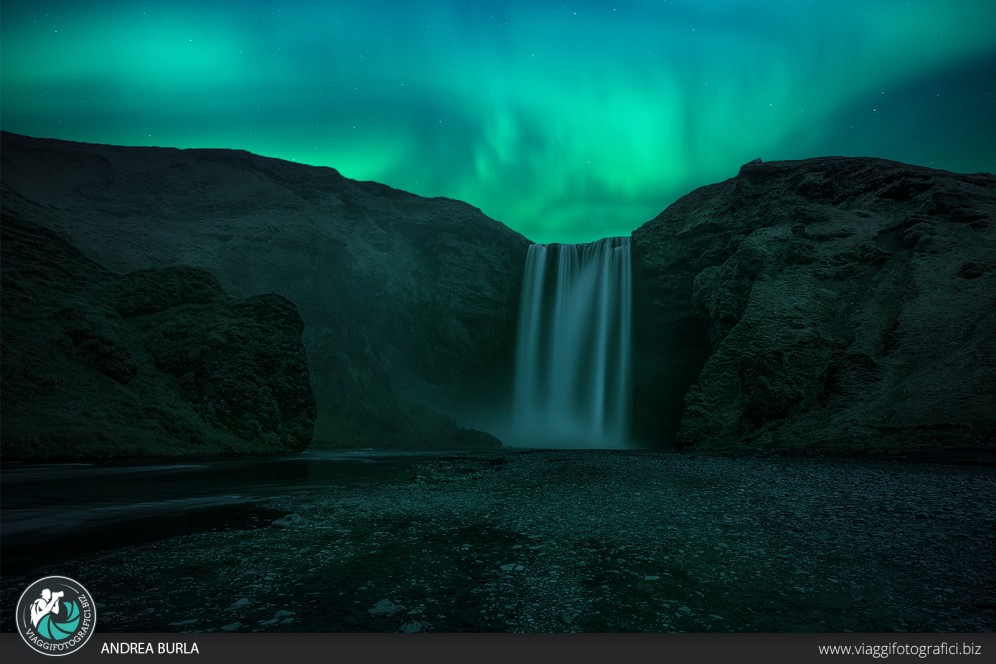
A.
pixel 54 512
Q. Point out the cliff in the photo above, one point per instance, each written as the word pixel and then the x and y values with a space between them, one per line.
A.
pixel 409 304
pixel 156 361
pixel 825 305
pixel 833 304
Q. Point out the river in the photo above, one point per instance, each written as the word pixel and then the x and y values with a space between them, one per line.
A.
pixel 54 512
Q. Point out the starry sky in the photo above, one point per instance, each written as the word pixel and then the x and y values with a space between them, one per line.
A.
pixel 568 121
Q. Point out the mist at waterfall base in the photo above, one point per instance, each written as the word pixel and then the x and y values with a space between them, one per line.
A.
pixel 573 353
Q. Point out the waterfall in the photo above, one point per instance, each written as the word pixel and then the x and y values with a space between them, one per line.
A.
pixel 572 367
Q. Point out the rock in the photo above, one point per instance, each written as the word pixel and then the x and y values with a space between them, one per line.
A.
pixel 385 607
pixel 413 627
pixel 154 362
pixel 240 604
pixel 289 521
pixel 248 373
pixel 409 304
pixel 831 305
pixel 281 614
pixel 231 627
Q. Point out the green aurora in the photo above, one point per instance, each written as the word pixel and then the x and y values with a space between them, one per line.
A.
pixel 568 121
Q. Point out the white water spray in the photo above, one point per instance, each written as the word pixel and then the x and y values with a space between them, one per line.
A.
pixel 572 371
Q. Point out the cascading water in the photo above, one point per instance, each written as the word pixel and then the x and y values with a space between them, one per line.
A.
pixel 572 372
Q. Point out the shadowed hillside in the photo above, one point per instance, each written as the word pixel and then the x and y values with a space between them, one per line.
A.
pixel 409 303
pixel 158 361
pixel 834 304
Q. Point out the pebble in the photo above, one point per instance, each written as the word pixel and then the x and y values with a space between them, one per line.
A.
pixel 385 607
pixel 240 604
pixel 289 521
pixel 786 564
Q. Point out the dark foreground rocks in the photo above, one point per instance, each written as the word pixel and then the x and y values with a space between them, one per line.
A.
pixel 833 305
pixel 153 362
pixel 409 303
pixel 578 542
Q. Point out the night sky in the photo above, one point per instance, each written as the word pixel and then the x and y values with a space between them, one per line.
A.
pixel 568 121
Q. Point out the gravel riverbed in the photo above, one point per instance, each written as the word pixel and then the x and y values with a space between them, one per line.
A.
pixel 546 541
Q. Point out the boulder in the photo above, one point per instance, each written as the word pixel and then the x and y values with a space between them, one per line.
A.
pixel 154 362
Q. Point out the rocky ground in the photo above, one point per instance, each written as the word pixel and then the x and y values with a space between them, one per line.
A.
pixel 580 542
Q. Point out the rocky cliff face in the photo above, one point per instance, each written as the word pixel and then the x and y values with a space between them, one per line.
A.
pixel 409 303
pixel 831 304
pixel 827 304
pixel 157 361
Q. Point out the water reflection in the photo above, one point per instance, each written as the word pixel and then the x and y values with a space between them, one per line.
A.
pixel 54 512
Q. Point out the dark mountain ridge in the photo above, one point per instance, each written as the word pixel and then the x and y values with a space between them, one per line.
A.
pixel 409 303
pixel 828 305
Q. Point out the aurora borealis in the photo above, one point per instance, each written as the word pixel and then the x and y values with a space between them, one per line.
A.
pixel 568 121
